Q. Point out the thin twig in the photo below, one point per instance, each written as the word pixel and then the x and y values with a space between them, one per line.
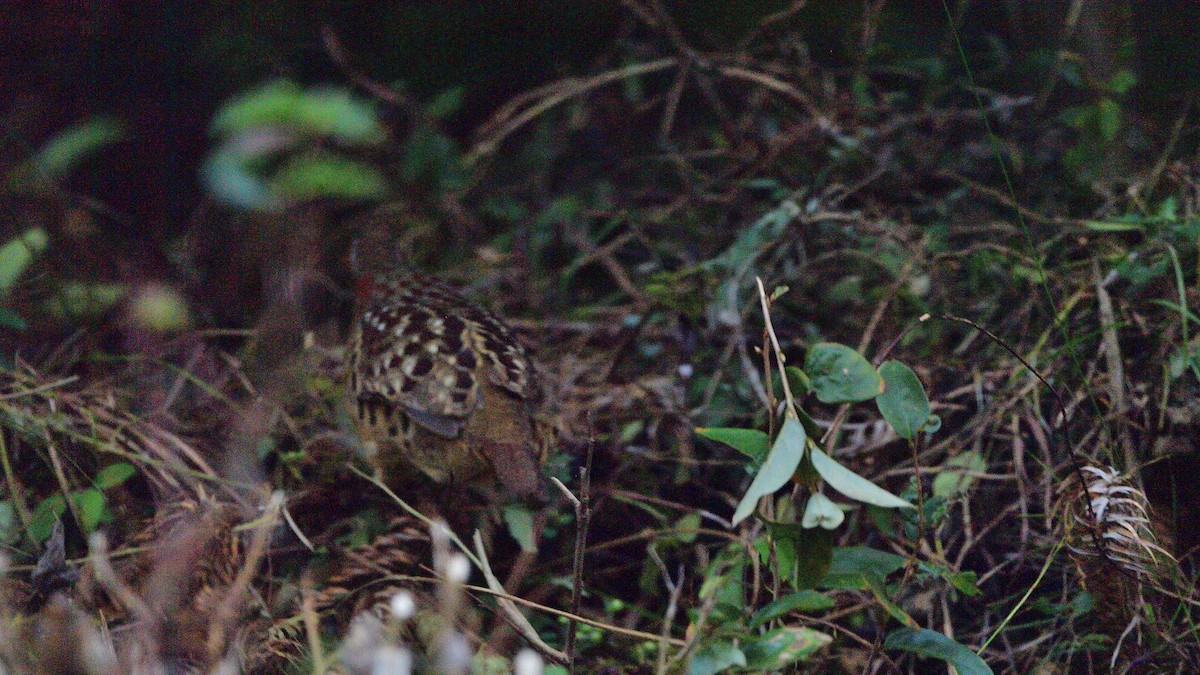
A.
pixel 583 517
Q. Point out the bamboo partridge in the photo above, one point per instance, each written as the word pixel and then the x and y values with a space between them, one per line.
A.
pixel 442 385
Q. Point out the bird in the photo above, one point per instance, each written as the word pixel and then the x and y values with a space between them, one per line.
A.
pixel 441 385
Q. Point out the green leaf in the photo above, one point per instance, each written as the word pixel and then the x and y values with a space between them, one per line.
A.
pixel 687 528
pixel 851 565
pixel 903 402
pixel 45 514
pixel 954 478
pixel 851 484
pixel 750 442
pixel 714 657
pixel 327 112
pixel 446 103
pixel 10 319
pixel 810 425
pixel 1108 119
pixel 932 644
pixel 779 466
pixel 810 552
pixel 806 600
pixel 782 647
pixel 18 253
pixel 92 508
pixel 9 532
pixel 71 146
pixel 273 103
pixel 519 521
pixel 841 375
pixel 79 299
pixel 798 381
pixel 160 308
pixel 228 176
pixel 337 113
pixel 114 474
pixel 964 582
pixel 324 174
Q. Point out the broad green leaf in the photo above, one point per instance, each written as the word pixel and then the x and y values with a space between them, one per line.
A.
pixel 324 174
pixel 851 484
pixel 114 474
pixel 92 508
pixel 18 252
pixel 327 112
pixel 714 657
pixel 71 146
pixel 850 565
pixel 273 103
pixel 798 381
pixel 932 644
pixel 45 514
pixel 750 442
pixel 841 375
pixel 821 510
pixel 809 552
pixel 779 466
pixel 337 113
pixel 903 402
pixel 782 647
pixel 954 477
pixel 965 582
pixel 806 600
pixel 519 521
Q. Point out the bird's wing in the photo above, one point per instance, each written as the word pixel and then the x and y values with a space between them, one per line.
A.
pixel 423 349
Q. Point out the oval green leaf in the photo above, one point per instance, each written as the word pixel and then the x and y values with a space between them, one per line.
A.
pixel 327 175
pixel 806 600
pixel 750 442
pixel 519 521
pixel 17 253
pixel 91 507
pixel 782 647
pixel 70 147
pixel 114 474
pixel 798 381
pixel 841 375
pixel 853 485
pixel 779 466
pixel 850 567
pixel 716 657
pixel 903 402
pixel 932 644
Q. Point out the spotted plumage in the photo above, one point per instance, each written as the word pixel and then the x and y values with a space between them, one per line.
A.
pixel 443 385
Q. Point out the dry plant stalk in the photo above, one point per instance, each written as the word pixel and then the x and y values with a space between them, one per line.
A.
pixel 1113 537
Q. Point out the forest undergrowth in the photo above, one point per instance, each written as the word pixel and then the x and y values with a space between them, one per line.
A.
pixel 867 367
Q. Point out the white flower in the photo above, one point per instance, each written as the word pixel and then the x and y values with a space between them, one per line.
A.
pixel 821 510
